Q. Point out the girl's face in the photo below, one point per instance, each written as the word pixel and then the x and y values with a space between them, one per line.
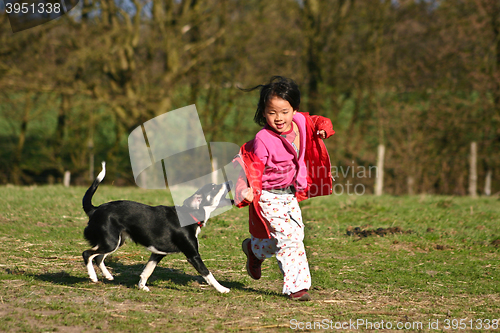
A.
pixel 279 114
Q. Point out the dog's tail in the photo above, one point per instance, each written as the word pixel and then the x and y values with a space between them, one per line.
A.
pixel 87 198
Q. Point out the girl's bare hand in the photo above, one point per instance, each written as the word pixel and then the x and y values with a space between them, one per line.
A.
pixel 321 134
pixel 248 194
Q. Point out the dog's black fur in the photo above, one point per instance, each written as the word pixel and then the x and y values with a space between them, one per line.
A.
pixel 157 228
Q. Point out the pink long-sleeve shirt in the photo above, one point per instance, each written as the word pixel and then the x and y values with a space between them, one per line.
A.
pixel 282 165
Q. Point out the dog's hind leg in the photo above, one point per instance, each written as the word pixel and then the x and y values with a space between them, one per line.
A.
pixel 99 260
pixel 101 253
pixel 88 256
pixel 148 270
pixel 203 270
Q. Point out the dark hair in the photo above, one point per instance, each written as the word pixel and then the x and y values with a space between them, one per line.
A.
pixel 278 86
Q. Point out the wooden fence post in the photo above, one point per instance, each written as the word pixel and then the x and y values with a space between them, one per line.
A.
pixel 67 178
pixel 379 181
pixel 411 182
pixel 473 170
pixel 215 167
pixel 487 183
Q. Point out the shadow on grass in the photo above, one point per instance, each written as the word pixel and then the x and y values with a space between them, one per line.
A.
pixel 60 278
pixel 128 276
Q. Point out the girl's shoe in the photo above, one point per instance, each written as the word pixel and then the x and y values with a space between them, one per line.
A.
pixel 302 295
pixel 253 263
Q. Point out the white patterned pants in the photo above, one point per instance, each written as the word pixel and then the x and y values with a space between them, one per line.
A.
pixel 284 218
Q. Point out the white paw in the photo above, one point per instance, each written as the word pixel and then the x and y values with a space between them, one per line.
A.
pixel 94 279
pixel 223 290
pixel 144 288
pixel 213 282
pixel 109 277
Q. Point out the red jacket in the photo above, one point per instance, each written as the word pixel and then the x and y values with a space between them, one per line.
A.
pixel 319 177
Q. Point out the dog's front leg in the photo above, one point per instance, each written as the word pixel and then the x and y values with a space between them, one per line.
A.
pixel 203 270
pixel 213 282
pixel 148 270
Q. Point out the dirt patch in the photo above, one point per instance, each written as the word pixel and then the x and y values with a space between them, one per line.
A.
pixel 381 232
pixel 442 247
pixel 36 320
pixel 5 219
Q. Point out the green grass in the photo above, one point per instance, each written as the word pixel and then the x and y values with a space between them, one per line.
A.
pixel 446 268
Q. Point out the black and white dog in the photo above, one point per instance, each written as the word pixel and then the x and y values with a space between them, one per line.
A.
pixel 157 228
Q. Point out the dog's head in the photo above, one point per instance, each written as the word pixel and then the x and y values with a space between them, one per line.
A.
pixel 209 198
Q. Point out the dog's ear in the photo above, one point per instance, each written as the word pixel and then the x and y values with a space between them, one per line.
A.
pixel 193 201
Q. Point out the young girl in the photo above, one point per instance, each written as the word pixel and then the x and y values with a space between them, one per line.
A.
pixel 286 162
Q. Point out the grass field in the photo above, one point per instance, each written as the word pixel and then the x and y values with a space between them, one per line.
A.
pixel 440 274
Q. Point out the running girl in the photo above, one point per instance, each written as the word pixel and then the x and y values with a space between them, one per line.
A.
pixel 285 163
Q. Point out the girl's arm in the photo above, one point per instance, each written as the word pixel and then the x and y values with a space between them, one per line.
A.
pixel 243 193
pixel 243 190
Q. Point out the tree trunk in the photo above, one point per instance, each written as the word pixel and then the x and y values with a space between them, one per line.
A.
pixel 495 22
pixel 59 133
pixel 16 163
pixel 90 146
pixel 313 36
